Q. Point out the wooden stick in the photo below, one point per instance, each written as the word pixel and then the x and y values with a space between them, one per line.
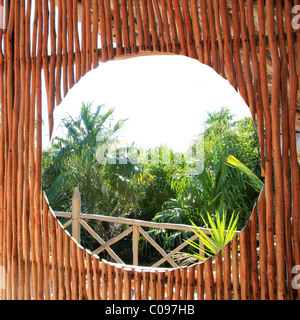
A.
pixel 127 283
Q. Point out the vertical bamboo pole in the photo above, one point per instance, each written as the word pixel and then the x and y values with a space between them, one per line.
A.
pixel 155 42
pixel 213 35
pixel 47 278
pixel 76 41
pixel 53 250
pixel 83 38
pixel 153 288
pixel 256 80
pixel 118 27
pixel 27 281
pixel 96 275
pixel 140 34
pixel 146 278
pixel 209 280
pixel 227 44
pixel 74 270
pixel 262 246
pixel 125 28
pixel 184 284
pixel 70 43
pixel 81 273
pixel 111 282
pixel 60 262
pixel 166 26
pixel 108 16
pixel 104 279
pixel 177 283
pixel 227 272
pixel 285 146
pixel 205 30
pixel 191 282
pixel 95 34
pixel 200 281
pixel 67 264
pixel 219 276
pixel 103 31
pixel 88 35
pixel 237 51
pixel 174 37
pixel 253 255
pixel 197 30
pixel 119 282
pixel 220 37
pixel 294 82
pixel 21 150
pixel 59 18
pixel 89 272
pixel 64 47
pixel 127 283
pixel 146 26
pixel 269 194
pixel 275 104
pixel 181 29
pixel 244 264
pixel 160 26
pixel 14 148
pixel 38 158
pixel 137 284
pixel 235 269
pixel 170 284
pixel 161 285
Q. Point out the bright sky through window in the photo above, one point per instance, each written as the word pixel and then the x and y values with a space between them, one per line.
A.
pixel 166 98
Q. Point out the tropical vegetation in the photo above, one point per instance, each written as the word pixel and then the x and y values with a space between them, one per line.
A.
pixel 230 181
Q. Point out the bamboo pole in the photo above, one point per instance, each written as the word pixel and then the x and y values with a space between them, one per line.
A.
pixel 219 276
pixel 89 272
pixel 200 281
pixel 47 278
pixel 70 43
pixel 119 282
pixel 111 282
pixel 161 285
pixel 96 276
pixel 137 284
pixel 53 250
pixel 127 283
pixel 60 262
pixel 145 279
pixel 74 270
pixel 153 288
pixel 275 104
pixel 67 264
pixel 191 282
pixel 208 280
pixel 81 273
pixel 104 279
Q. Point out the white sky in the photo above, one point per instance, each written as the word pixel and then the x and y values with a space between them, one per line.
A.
pixel 166 98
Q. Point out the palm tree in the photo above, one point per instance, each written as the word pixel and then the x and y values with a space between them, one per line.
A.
pixel 74 159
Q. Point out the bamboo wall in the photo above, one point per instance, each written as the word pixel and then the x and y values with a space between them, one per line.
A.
pixel 249 42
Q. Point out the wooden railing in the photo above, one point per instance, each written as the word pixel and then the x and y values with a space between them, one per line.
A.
pixel 136 227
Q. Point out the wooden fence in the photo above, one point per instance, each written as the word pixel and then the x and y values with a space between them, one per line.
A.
pixel 71 272
pixel 77 219
pixel 252 43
